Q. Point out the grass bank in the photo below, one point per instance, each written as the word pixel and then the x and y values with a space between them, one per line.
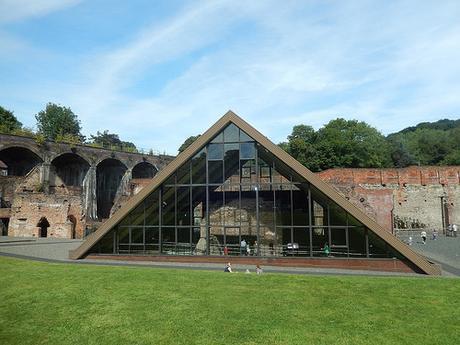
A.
pixel 44 303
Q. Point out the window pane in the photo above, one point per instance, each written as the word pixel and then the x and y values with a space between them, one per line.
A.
pixel 152 240
pixel 152 211
pixel 168 240
pixel 248 150
pixel 216 211
pixel 167 206
pixel 199 168
pixel 232 212
pixel 320 239
pixel 300 207
pixel 232 163
pixel 302 238
pixel 183 174
pixel 137 235
pixel 283 207
pixel 216 174
pixel 244 136
pixel 183 241
pixel 215 151
pixel 219 138
pixel 231 133
pixel 183 206
pixel 123 235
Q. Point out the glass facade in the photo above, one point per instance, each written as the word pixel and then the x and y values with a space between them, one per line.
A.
pixel 236 198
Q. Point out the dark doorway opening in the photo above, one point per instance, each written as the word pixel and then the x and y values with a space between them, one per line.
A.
pixel 72 220
pixel 4 226
pixel 43 224
pixel 109 176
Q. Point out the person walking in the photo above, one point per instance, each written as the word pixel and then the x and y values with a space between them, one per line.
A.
pixel 243 247
pixel 423 236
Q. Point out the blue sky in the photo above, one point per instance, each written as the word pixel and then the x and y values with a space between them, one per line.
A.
pixel 156 72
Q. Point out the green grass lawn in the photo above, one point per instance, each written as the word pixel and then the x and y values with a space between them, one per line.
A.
pixel 44 303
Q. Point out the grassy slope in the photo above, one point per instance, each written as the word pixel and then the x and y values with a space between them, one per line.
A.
pixel 72 304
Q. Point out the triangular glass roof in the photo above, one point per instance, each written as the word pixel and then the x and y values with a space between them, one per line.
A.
pixel 233 192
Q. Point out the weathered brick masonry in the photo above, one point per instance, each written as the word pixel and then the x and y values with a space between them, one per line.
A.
pixel 58 190
pixel 413 197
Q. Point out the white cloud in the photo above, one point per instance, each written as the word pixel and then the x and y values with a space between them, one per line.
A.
pixel 17 10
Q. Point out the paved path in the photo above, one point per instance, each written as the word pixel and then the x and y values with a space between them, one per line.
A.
pixel 56 250
pixel 444 250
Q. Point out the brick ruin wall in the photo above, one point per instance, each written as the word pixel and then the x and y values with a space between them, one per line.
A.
pixel 33 185
pixel 408 198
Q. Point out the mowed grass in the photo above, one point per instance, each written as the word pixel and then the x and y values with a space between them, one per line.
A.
pixel 44 303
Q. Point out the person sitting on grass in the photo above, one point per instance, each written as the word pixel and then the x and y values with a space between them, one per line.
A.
pixel 228 268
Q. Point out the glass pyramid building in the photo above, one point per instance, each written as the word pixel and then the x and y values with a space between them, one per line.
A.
pixel 233 193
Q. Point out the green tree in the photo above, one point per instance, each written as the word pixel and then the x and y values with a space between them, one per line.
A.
pixel 351 144
pixel 302 146
pixel 8 122
pixel 189 141
pixel 112 141
pixel 56 121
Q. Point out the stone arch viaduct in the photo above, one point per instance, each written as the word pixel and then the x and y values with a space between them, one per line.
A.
pixel 67 187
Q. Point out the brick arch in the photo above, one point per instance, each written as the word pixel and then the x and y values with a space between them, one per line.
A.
pixel 109 176
pixel 20 159
pixel 144 169
pixel 70 168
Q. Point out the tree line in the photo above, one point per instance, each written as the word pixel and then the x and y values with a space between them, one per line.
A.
pixel 61 124
pixel 355 144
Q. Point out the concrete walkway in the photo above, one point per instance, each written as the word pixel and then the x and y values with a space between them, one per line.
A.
pixel 56 250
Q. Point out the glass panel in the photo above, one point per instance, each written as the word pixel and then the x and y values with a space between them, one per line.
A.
pixel 216 174
pixel 137 235
pixel 152 211
pixel 231 162
pixel 231 133
pixel 196 238
pixel 183 241
pixel 199 168
pixel 300 207
pixel 248 151
pixel 183 206
pixel 105 245
pixel 283 207
pixel 216 240
pixel 167 206
pixel 232 211
pixel 356 237
pixel 215 151
pixel 248 214
pixel 302 240
pixel 320 241
pixel 137 215
pixel 249 236
pixel 183 174
pixel 339 245
pixel 152 240
pixel 266 222
pixel 337 216
pixel 219 138
pixel 244 136
pixel 216 210
pixel 232 241
pixel 248 172
pixel 123 235
pixel 168 240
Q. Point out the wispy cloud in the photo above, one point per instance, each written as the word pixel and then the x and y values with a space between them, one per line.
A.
pixel 17 10
pixel 390 64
